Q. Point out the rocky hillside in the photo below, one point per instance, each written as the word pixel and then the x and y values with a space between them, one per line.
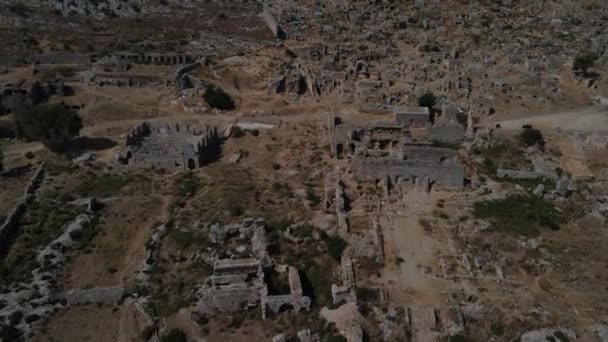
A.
pixel 112 8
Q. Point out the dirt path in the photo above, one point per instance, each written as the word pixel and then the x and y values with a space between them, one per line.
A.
pixel 591 118
pixel 411 252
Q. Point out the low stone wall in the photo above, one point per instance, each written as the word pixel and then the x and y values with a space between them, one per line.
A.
pixel 516 174
pixel 95 295
pixel 450 134
pixel 11 223
pixel 449 173
pixel 143 276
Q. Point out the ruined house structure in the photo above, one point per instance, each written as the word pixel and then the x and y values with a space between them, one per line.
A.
pixel 170 146
pixel 238 283
pixel 389 153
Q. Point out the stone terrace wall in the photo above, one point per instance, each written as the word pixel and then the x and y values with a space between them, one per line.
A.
pixel 451 134
pixel 11 223
pixel 95 295
pixel 447 173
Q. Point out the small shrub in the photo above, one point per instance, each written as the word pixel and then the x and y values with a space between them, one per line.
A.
pixel 497 328
pixel 519 214
pixel 52 124
pixel 147 333
pixel 302 231
pixel 441 214
pixel 235 322
pixel 489 167
pixel 175 335
pixel 312 197
pixel 584 61
pixel 235 210
pixel 65 70
pixel 427 100
pixel 458 338
pixel 103 185
pixel 532 136
pixel 216 97
pixel 237 132
pixel 335 246
pixel 188 184
pixel 319 278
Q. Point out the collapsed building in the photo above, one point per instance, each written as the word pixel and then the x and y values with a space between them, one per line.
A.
pixel 238 283
pixel 169 146
pixel 389 153
pixel 14 96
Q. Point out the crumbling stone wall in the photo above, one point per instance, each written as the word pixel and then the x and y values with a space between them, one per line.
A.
pixel 346 291
pixel 294 300
pixel 11 223
pixel 119 80
pixel 143 275
pixel 336 200
pixel 412 116
pixel 234 285
pixel 37 297
pixel 448 172
pixel 451 134
pixel 95 295
pixel 517 174
pixel 237 284
pixel 162 58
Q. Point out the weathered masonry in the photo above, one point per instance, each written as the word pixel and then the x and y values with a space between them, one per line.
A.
pixel 388 152
pixel 168 146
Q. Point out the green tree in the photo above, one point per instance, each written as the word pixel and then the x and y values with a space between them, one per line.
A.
pixel 532 136
pixel 52 124
pixel 584 61
pixel 427 100
pixel 335 246
pixel 216 97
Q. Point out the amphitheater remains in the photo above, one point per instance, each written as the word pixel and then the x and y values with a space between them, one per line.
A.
pixel 169 146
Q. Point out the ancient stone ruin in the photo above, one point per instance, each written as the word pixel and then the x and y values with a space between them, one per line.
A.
pixel 238 283
pixel 294 300
pixel 169 146
pixel 389 153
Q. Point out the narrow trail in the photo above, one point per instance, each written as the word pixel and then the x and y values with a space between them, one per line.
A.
pixel 590 118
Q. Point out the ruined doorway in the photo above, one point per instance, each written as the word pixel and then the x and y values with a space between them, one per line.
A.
pixel 286 308
pixel 191 164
